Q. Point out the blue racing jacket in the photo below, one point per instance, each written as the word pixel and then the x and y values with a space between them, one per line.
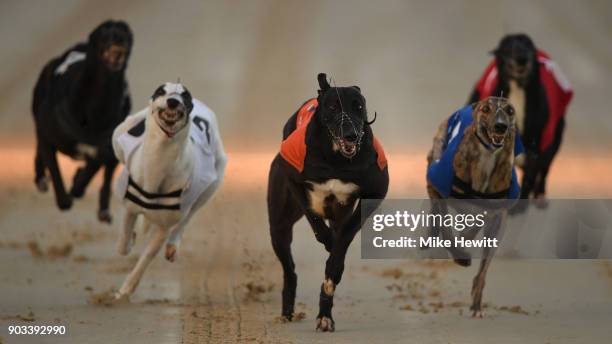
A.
pixel 441 174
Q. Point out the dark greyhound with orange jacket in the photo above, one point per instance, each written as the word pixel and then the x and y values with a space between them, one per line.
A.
pixel 329 161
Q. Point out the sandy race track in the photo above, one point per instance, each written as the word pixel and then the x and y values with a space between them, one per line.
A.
pixel 253 62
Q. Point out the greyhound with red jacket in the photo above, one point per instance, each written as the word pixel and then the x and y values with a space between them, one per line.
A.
pixel 328 162
pixel 540 93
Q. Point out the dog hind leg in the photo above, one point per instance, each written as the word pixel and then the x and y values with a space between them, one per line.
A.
pixel 63 200
pixel 133 278
pixel 283 212
pixel 40 179
pixel 104 214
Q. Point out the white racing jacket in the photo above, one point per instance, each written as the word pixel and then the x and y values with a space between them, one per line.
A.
pixel 207 145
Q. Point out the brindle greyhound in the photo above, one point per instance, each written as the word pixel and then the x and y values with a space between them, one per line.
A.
pixel 473 157
pixel 329 161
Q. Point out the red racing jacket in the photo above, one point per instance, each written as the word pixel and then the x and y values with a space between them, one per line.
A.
pixel 558 92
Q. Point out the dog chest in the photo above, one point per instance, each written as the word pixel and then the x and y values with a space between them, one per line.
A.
pixel 332 190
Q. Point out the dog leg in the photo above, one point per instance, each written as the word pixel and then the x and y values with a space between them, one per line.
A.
pixel 127 236
pixel 322 232
pixel 282 236
pixel 491 230
pixel 40 179
pixel 131 282
pixel 174 241
pixel 82 177
pixel 283 212
pixel 334 268
pixel 477 287
pixel 104 214
pixel 63 200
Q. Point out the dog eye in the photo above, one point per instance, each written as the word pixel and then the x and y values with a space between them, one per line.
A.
pixel 486 109
pixel 510 110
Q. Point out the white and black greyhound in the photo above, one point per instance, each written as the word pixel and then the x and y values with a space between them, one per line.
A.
pixel 174 162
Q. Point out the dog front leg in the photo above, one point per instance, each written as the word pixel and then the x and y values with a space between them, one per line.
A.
pixel 127 236
pixel 104 214
pixel 83 176
pixel 63 200
pixel 131 282
pixel 322 232
pixel 478 284
pixel 334 268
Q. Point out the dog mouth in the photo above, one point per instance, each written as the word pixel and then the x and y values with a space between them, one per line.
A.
pixel 114 67
pixel 169 121
pixel 347 149
pixel 497 140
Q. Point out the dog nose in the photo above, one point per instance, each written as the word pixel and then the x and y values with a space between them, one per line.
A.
pixel 350 136
pixel 500 128
pixel 172 103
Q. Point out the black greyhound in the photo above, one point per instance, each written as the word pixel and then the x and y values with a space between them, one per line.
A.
pixel 79 99
pixel 540 93
pixel 329 161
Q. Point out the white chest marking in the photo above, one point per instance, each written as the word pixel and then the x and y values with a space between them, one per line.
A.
pixel 517 99
pixel 320 191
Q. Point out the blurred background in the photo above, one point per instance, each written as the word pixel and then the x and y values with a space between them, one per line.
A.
pixel 254 62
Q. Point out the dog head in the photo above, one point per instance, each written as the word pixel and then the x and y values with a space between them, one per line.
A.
pixel 342 110
pixel 111 44
pixel 495 121
pixel 170 106
pixel 516 55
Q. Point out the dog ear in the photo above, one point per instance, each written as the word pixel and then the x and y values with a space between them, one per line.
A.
pixel 187 99
pixel 357 88
pixel 160 91
pixel 95 35
pixel 323 84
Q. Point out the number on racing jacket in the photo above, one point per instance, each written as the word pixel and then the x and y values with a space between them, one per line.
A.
pixel 198 122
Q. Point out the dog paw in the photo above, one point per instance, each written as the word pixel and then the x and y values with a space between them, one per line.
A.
pixel 541 202
pixel 171 252
pixel 125 244
pixel 519 208
pixel 76 193
pixel 42 184
pixel 325 324
pixel 121 298
pixel 478 314
pixel 105 216
pixel 464 261
pixel 64 203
